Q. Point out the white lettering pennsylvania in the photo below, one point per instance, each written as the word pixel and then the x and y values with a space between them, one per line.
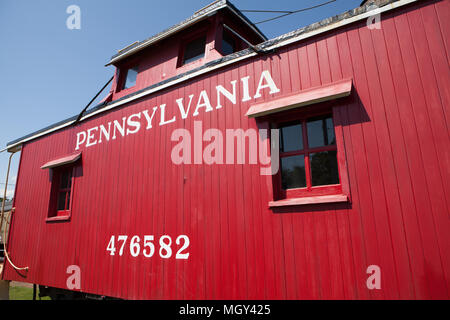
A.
pixel 135 122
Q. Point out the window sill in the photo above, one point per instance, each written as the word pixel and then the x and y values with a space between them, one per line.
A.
pixel 58 218
pixel 309 200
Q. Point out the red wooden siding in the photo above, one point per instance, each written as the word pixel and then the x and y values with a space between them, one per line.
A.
pixel 395 127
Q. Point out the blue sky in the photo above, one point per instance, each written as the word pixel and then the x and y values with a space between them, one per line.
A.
pixel 49 73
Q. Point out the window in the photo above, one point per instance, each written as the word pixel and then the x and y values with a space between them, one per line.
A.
pixel 62 173
pixel 61 193
pixel 194 50
pixel 228 44
pixel 308 158
pixel 130 78
pixel 64 191
pixel 312 167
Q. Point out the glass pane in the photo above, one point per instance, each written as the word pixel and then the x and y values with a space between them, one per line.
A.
pixel 65 179
pixel 324 169
pixel 227 44
pixel 320 132
pixel 293 172
pixel 61 201
pixel 131 78
pixel 68 201
pixel 194 50
pixel 291 138
pixel 69 184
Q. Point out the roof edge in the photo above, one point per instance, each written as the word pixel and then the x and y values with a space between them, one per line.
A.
pixel 199 15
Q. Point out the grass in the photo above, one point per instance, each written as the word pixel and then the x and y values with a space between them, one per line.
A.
pixel 23 293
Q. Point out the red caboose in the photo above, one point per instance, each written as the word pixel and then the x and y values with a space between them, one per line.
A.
pixel 223 165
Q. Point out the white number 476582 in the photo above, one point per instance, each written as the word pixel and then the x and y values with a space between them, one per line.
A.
pixel 148 247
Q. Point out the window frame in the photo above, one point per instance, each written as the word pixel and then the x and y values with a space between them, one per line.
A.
pixel 315 194
pixel 123 73
pixel 231 36
pixel 56 173
pixel 195 58
pixel 200 33
pixel 309 190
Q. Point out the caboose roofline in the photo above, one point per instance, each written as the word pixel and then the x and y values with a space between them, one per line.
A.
pixel 198 16
pixel 335 22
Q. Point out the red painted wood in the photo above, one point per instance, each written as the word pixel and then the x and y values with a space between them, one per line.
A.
pixel 62 161
pixel 393 145
pixel 309 200
pixel 323 93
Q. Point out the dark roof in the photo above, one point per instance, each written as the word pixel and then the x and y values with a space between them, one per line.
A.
pixel 199 15
pixel 312 27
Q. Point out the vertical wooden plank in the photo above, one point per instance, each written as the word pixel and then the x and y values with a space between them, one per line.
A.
pixel 334 248
pixel 342 215
pixel 305 78
pixel 225 278
pixel 248 205
pixel 153 289
pixel 104 233
pixel 443 14
pixel 187 215
pixel 293 68
pixel 401 207
pixel 392 223
pixel 358 172
pixel 192 273
pixel 271 258
pixel 170 213
pixel 241 219
pixel 214 229
pixel 279 259
pixel 440 129
pixel 313 281
pixel 437 112
pixel 208 229
pixel 437 51
pixel 427 148
pixel 161 280
pixel 286 219
pixel 181 219
pixel 320 218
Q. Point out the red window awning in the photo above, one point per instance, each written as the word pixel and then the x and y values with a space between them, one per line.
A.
pixel 62 161
pixel 323 93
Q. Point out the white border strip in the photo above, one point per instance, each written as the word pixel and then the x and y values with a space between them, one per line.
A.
pixel 338 24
